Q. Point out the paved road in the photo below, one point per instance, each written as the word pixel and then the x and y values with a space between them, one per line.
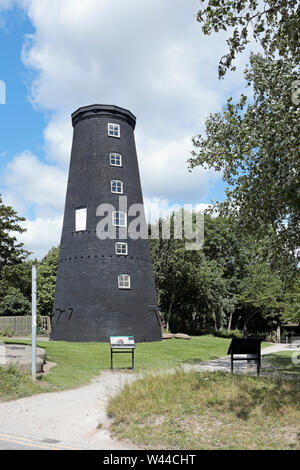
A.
pixel 12 442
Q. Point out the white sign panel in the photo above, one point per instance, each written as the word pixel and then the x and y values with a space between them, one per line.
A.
pixel 122 342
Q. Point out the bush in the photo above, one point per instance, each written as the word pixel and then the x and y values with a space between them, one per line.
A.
pixel 14 303
pixel 7 332
pixel 263 335
pixel 228 334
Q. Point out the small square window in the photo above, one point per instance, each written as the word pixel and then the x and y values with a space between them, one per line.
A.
pixel 124 281
pixel 119 219
pixel 121 248
pixel 116 186
pixel 113 129
pixel 115 159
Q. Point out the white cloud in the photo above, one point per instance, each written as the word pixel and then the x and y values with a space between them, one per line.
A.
pixel 58 139
pixel 30 183
pixel 148 56
pixel 41 235
pixel 6 4
pixel 156 208
pixel 165 175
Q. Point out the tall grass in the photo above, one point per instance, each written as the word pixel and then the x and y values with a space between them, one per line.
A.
pixel 192 410
pixel 15 383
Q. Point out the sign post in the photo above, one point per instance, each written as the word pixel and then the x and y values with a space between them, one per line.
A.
pixel 239 347
pixel 122 344
pixel 33 323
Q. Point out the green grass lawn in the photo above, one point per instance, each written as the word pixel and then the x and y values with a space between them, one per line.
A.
pixel 201 410
pixel 77 363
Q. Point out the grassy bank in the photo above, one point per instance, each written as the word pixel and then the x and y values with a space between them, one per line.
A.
pixel 77 363
pixel 17 384
pixel 208 411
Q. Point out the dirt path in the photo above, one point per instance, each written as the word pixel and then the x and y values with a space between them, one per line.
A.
pixel 66 417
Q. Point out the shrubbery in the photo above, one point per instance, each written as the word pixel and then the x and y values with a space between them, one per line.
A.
pixel 14 303
pixel 7 332
pixel 228 334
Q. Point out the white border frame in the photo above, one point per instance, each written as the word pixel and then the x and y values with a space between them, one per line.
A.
pixel 124 287
pixel 111 187
pixel 119 130
pixel 113 219
pixel 113 164
pixel 121 243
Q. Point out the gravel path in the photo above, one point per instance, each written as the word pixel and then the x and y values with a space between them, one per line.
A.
pixel 72 416
pixel 224 363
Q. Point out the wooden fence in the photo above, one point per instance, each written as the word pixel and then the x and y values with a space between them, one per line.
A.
pixel 21 325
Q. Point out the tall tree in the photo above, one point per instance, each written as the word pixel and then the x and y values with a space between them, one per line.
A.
pixel 11 252
pixel 18 276
pixel 46 279
pixel 190 288
pixel 13 302
pixel 291 311
pixel 273 23
pixel 230 282
pixel 260 294
pixel 256 146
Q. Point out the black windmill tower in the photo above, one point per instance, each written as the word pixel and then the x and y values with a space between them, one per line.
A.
pixel 104 287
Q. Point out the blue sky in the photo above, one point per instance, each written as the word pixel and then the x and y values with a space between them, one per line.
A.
pixel 150 57
pixel 21 125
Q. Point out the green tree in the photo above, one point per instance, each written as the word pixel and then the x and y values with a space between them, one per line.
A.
pixel 46 279
pixel 273 23
pixel 14 302
pixel 260 293
pixel 18 276
pixel 291 311
pixel 233 281
pixel 190 288
pixel 256 146
pixel 11 252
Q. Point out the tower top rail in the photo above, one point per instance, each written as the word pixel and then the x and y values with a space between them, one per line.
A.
pixel 103 110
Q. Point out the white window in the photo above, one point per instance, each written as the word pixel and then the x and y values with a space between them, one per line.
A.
pixel 113 129
pixel 80 219
pixel 115 159
pixel 124 281
pixel 119 219
pixel 116 186
pixel 121 248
